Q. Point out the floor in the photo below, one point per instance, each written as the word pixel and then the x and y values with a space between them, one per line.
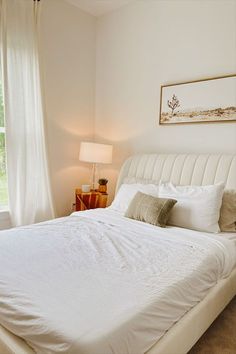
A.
pixel 220 338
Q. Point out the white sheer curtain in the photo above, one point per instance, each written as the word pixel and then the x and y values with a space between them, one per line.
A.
pixel 29 188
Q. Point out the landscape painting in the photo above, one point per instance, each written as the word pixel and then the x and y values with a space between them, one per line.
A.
pixel 202 101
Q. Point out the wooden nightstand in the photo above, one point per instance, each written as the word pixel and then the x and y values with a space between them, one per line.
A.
pixel 91 200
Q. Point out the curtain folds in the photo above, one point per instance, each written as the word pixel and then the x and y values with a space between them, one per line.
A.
pixel 30 198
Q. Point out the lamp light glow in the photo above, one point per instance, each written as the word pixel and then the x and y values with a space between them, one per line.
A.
pixel 95 153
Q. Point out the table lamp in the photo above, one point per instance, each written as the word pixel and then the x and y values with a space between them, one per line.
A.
pixel 95 153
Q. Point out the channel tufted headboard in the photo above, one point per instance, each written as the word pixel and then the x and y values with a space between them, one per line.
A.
pixel 181 169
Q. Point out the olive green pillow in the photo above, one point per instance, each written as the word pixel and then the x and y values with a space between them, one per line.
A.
pixel 149 209
pixel 227 220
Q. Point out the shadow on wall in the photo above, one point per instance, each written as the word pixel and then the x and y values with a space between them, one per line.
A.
pixel 66 171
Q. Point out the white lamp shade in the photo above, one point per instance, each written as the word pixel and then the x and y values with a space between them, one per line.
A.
pixel 95 153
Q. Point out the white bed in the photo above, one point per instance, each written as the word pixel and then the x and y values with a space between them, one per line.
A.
pixel 187 318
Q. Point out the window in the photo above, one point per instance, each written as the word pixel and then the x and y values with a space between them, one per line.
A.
pixel 3 175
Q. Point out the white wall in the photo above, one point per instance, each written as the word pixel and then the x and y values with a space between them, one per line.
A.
pixel 149 43
pixel 138 48
pixel 68 60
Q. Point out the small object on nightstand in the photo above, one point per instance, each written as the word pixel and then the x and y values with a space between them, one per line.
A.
pixel 102 185
pixel 85 188
pixel 89 200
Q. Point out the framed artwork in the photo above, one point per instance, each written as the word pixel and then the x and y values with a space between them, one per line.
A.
pixel 201 101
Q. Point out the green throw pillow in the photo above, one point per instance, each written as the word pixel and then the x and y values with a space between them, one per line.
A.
pixel 149 209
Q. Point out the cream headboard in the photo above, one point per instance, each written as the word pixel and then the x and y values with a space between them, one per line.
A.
pixel 181 169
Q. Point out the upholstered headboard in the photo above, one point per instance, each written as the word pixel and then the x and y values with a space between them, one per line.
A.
pixel 181 169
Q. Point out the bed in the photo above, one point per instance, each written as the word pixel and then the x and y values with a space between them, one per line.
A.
pixel 184 332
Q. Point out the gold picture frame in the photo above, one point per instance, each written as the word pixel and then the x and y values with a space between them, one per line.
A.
pixel 210 100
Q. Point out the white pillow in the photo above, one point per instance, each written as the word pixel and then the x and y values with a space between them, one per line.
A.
pixel 198 207
pixel 127 192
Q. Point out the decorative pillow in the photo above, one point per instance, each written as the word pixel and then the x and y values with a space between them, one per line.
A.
pixel 128 191
pixel 198 207
pixel 149 209
pixel 227 220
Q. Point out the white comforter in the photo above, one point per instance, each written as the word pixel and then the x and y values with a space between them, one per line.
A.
pixel 98 283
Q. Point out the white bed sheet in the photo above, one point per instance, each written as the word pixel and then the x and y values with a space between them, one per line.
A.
pixel 99 283
pixel 229 235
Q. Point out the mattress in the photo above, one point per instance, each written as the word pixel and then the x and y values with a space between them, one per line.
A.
pixel 96 282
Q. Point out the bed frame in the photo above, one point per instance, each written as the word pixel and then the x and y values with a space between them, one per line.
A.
pixel 182 170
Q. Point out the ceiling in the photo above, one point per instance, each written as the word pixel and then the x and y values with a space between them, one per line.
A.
pixel 99 7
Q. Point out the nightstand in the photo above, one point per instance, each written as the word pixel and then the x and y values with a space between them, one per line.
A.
pixel 91 200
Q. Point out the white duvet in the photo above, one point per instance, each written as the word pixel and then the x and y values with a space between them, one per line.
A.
pixel 98 283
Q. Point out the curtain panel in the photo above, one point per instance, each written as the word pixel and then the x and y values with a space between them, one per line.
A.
pixel 30 197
